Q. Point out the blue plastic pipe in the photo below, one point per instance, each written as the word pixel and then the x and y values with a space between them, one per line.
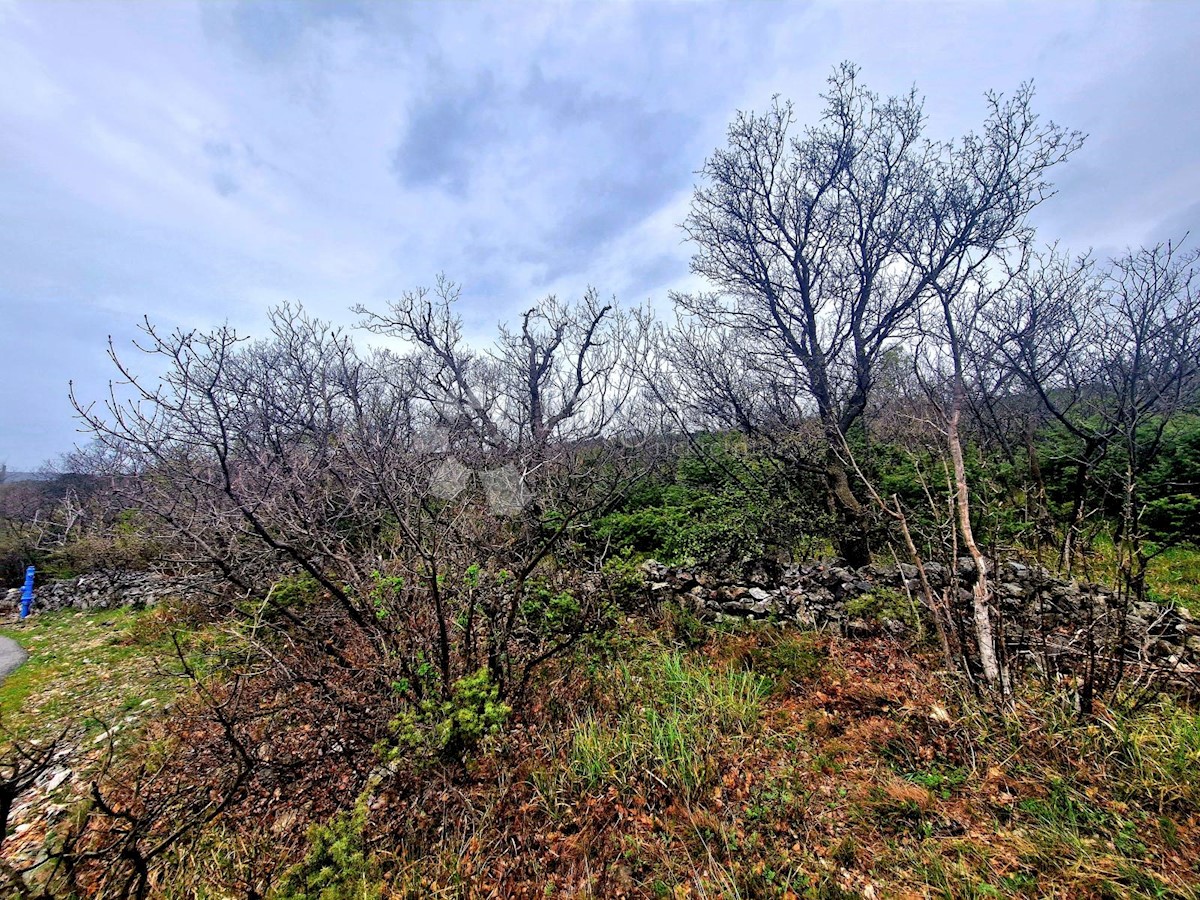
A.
pixel 27 592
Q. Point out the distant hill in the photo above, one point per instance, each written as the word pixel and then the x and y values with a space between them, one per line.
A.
pixel 25 476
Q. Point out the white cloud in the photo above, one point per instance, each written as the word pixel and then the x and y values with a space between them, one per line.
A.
pixel 203 161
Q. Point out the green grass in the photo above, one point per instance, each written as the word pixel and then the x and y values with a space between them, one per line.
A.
pixel 822 791
pixel 1175 578
pixel 673 713
pixel 788 659
pixel 93 669
pixel 1157 752
pixel 942 783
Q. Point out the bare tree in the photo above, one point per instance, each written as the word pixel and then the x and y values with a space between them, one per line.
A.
pixel 1108 352
pixel 544 418
pixel 822 243
pixel 1103 351
pixel 1043 328
pixel 952 366
pixel 419 493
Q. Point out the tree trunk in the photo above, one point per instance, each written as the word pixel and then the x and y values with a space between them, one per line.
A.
pixel 850 539
pixel 985 632
pixel 1093 452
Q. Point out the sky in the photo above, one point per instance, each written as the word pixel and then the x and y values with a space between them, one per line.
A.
pixel 198 163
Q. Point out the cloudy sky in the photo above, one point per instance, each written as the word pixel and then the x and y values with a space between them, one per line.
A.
pixel 201 162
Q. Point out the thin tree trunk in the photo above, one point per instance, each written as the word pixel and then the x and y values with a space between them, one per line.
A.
pixel 851 529
pixel 1043 522
pixel 1093 452
pixel 985 633
pixel 940 611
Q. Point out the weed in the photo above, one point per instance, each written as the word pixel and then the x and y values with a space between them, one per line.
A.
pixel 450 728
pixel 683 627
pixel 942 783
pixel 881 604
pixel 845 851
pixel 624 578
pixel 898 804
pixel 549 612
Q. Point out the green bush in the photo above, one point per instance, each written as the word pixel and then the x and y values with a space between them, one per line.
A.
pixel 624 579
pixel 1173 484
pixel 1173 518
pixel 722 502
pixel 338 865
pixel 550 612
pixel 998 487
pixel 291 592
pixel 1167 485
pixel 451 728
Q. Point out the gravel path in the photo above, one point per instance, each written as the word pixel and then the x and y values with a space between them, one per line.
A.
pixel 11 656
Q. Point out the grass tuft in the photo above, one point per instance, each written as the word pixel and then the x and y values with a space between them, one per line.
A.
pixel 673 715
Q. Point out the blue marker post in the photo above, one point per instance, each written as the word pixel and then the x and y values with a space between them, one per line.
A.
pixel 27 592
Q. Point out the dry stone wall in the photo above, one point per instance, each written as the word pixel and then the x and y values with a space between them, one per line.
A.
pixel 101 590
pixel 1042 612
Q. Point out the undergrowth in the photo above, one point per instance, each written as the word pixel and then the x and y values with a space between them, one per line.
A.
pixel 743 762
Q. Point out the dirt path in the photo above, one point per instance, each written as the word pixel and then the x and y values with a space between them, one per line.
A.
pixel 11 656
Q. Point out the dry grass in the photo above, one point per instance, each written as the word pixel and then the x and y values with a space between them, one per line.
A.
pixel 852 769
pixel 870 778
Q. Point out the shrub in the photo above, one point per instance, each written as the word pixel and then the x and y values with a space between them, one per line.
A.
pixel 625 581
pixel 338 865
pixel 453 727
pixel 726 501
pixel 550 612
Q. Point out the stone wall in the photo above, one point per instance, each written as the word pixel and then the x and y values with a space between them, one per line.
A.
pixel 1042 612
pixel 100 590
